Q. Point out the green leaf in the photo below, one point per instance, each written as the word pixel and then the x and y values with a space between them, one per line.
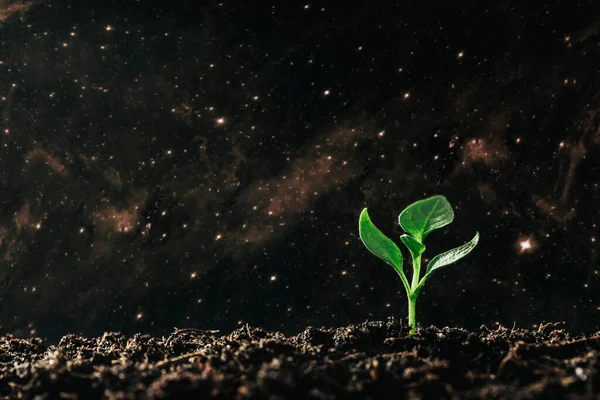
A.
pixel 424 216
pixel 450 256
pixel 415 247
pixel 379 244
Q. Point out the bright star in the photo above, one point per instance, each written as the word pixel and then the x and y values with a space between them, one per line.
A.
pixel 525 245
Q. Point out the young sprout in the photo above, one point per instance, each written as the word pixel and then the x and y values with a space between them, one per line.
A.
pixel 418 220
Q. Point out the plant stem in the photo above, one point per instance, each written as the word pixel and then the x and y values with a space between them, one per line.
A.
pixel 416 273
pixel 412 297
pixel 412 313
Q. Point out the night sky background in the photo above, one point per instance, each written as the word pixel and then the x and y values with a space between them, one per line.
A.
pixel 203 164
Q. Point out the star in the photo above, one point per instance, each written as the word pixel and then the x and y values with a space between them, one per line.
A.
pixel 525 245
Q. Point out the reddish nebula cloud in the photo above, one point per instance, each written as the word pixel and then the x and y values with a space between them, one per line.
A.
pixel 483 150
pixel 274 203
pixel 10 7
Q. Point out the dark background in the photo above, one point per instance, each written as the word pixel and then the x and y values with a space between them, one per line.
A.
pixel 203 164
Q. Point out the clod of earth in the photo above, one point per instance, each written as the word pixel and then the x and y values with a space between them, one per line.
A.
pixel 373 359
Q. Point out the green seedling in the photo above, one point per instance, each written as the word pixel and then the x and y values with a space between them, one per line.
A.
pixel 418 220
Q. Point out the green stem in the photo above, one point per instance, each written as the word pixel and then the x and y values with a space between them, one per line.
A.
pixel 412 313
pixel 412 296
pixel 416 272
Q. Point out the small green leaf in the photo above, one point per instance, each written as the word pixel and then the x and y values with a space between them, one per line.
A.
pixel 415 247
pixel 450 256
pixel 379 244
pixel 424 216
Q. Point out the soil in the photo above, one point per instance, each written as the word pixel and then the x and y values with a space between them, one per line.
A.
pixel 372 360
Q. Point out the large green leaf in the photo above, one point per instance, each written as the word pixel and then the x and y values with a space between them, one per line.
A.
pixel 377 243
pixel 424 216
pixel 415 247
pixel 450 256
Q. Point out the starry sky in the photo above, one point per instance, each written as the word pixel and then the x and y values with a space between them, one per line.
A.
pixel 204 164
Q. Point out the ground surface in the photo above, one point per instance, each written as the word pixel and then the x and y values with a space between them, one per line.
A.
pixel 370 360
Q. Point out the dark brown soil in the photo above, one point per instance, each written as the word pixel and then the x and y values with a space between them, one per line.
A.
pixel 371 360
